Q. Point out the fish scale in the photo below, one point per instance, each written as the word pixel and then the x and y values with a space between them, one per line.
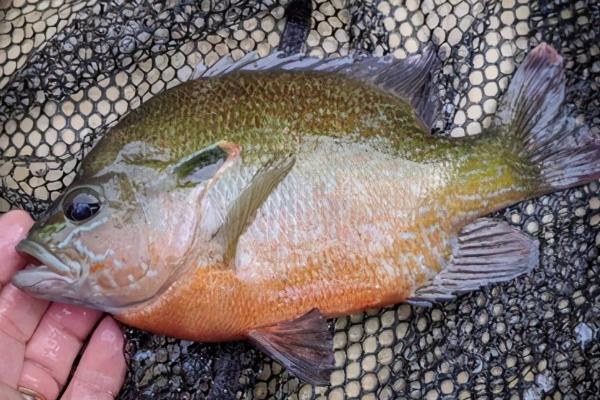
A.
pixel 264 274
pixel 366 207
pixel 227 223
pixel 207 114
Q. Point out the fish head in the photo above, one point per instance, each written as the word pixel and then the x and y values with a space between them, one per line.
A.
pixel 115 240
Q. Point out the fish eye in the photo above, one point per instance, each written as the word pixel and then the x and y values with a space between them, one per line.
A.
pixel 81 204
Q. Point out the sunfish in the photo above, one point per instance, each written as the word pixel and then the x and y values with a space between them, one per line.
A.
pixel 266 195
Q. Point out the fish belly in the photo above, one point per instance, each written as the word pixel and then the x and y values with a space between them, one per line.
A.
pixel 353 225
pixel 350 227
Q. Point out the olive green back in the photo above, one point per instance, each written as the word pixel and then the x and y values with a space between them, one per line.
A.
pixel 262 112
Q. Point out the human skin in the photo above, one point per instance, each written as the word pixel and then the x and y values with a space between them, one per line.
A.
pixel 40 340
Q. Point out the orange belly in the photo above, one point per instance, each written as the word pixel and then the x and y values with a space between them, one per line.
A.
pixel 216 305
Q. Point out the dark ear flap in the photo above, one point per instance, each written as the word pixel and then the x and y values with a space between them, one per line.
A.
pixel 204 164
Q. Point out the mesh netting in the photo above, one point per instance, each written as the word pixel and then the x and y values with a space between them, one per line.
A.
pixel 70 69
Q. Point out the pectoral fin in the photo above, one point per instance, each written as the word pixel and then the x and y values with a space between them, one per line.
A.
pixel 488 251
pixel 304 346
pixel 243 210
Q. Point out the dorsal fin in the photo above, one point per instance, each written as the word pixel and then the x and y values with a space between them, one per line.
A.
pixel 410 78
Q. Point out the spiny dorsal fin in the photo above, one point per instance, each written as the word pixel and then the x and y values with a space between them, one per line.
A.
pixel 410 78
pixel 304 346
pixel 249 201
pixel 488 251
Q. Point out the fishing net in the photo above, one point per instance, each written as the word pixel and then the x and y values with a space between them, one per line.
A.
pixel 70 69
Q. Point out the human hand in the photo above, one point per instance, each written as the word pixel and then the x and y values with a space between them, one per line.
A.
pixel 40 340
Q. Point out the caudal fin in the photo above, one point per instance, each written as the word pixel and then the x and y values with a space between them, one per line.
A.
pixel 532 113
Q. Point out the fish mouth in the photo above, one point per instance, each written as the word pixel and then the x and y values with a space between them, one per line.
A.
pixel 52 268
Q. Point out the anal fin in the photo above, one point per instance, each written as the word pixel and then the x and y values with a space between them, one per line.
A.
pixel 304 346
pixel 488 251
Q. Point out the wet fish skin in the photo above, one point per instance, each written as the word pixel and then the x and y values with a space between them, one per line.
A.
pixel 350 204
pixel 275 118
pixel 271 117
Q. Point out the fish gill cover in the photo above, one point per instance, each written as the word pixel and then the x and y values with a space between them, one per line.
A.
pixel 71 68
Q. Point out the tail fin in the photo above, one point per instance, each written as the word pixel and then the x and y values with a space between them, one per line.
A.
pixel 533 113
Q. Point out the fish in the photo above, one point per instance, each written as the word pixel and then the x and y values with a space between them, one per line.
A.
pixel 266 195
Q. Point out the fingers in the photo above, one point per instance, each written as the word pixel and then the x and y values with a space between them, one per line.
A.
pixel 51 351
pixel 13 228
pixel 100 373
pixel 19 316
pixel 19 312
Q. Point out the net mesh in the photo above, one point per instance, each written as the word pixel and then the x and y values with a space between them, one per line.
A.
pixel 70 69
